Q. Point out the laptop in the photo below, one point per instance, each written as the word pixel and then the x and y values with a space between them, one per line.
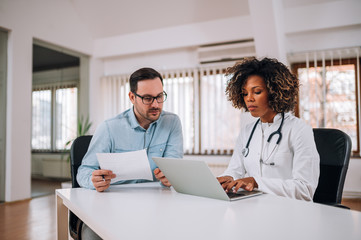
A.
pixel 195 178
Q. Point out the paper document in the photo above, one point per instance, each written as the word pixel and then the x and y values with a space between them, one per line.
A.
pixel 127 165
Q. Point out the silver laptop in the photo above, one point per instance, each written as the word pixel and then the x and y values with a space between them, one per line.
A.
pixel 195 178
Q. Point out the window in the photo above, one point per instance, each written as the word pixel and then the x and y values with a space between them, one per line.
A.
pixel 41 129
pixel 180 100
pixel 54 117
pixel 210 124
pixel 55 96
pixel 328 94
pixel 219 121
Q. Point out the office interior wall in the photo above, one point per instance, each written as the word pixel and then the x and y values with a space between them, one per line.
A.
pixel 327 25
pixel 183 36
pixel 3 91
pixel 352 186
pixel 180 58
pixel 18 117
pixel 332 24
pixel 58 23
pixel 50 21
pixel 268 28
pixel 176 47
pixel 95 94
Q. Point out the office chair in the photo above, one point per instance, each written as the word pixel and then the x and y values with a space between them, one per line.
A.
pixel 334 148
pixel 77 152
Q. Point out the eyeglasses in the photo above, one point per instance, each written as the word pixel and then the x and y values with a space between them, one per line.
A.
pixel 147 100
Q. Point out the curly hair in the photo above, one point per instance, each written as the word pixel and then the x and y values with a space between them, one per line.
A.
pixel 282 85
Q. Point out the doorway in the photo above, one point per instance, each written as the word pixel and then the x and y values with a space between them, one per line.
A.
pixel 58 74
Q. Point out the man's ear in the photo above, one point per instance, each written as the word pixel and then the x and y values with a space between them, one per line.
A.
pixel 131 97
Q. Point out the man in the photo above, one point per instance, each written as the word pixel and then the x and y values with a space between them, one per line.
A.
pixel 145 126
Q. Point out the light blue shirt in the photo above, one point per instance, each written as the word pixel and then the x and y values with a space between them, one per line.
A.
pixel 123 133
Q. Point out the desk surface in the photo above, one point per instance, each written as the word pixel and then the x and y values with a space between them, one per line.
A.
pixel 148 211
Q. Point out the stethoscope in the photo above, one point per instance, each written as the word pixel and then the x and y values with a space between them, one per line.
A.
pixel 245 150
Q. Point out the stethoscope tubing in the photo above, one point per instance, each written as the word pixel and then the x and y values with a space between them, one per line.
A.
pixel 245 150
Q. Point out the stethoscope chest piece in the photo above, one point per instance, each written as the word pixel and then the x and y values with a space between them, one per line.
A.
pixel 245 151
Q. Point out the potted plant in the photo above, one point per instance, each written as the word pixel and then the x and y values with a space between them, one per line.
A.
pixel 82 129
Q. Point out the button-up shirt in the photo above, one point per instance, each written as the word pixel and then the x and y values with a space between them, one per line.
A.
pixel 163 138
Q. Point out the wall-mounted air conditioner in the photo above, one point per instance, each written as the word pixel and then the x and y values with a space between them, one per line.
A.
pixel 225 52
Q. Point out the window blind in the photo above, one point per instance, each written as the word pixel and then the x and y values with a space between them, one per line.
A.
pixel 210 124
pixel 330 91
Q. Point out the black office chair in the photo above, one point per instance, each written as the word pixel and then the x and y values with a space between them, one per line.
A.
pixel 77 152
pixel 334 148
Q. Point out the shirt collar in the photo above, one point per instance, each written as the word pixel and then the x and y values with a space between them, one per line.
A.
pixel 132 119
pixel 278 117
pixel 134 122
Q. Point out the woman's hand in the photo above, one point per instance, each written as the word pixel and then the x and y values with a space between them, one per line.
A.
pixel 101 179
pixel 248 184
pixel 160 176
pixel 224 181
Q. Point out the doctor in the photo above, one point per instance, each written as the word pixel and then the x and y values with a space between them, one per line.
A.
pixel 276 153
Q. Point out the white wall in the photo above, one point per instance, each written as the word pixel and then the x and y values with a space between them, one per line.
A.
pixel 320 26
pixel 326 25
pixel 353 178
pixel 50 21
pixel 174 37
pixel 161 60
pixel 334 24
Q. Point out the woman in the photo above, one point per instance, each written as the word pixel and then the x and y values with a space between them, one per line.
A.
pixel 276 153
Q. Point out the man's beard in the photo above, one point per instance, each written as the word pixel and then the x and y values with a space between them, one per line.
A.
pixel 153 112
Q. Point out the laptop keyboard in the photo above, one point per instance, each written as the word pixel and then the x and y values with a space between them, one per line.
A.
pixel 232 194
pixel 242 193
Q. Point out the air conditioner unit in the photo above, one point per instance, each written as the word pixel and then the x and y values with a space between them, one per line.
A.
pixel 225 52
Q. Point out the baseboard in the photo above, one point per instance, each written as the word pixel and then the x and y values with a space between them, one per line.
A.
pixel 349 194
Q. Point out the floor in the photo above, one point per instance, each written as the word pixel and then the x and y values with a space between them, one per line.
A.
pixel 42 187
pixel 28 219
pixel 35 218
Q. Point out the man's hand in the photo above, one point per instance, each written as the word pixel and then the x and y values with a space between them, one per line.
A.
pixel 160 176
pixel 248 184
pixel 224 181
pixel 101 179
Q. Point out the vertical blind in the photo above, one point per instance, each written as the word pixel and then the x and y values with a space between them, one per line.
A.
pixel 220 122
pixel 330 90
pixel 210 124
pixel 54 116
pixel 41 119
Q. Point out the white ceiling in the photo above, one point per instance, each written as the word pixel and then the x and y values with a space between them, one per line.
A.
pixel 109 18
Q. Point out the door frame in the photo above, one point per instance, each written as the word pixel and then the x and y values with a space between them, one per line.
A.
pixel 3 101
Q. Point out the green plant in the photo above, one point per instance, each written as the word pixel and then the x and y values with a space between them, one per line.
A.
pixel 82 129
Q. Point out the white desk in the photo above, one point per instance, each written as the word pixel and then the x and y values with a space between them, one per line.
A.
pixel 148 211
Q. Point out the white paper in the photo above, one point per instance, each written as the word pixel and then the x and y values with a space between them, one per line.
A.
pixel 127 165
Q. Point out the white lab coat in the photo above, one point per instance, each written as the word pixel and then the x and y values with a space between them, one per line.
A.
pixel 296 161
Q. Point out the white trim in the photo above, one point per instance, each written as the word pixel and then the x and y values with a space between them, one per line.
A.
pixel 349 194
